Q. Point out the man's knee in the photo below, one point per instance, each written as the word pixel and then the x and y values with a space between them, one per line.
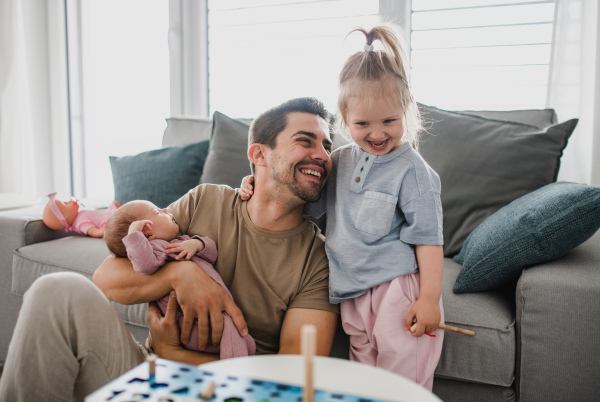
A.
pixel 52 287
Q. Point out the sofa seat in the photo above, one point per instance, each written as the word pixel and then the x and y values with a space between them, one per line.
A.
pixel 60 255
pixel 489 356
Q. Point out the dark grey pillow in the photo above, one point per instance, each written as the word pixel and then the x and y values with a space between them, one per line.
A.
pixel 484 164
pixel 227 160
pixel 538 227
pixel 160 176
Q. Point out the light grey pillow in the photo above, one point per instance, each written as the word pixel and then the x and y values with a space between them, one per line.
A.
pixel 186 130
pixel 227 160
pixel 485 164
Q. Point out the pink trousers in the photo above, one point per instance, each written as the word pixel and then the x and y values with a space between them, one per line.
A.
pixel 378 336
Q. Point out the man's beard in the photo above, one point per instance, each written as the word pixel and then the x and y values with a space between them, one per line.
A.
pixel 310 192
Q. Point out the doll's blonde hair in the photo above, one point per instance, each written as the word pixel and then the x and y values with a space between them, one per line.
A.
pixel 380 74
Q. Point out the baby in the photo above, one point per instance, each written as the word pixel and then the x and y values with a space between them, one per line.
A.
pixel 148 236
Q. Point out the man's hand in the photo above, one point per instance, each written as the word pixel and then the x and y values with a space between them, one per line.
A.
pixel 186 249
pixel 164 330
pixel 201 298
pixel 246 189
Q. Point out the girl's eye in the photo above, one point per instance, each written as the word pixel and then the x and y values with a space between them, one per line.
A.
pixel 361 123
pixel 389 121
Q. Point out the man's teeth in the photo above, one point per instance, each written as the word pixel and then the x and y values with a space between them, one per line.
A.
pixel 308 171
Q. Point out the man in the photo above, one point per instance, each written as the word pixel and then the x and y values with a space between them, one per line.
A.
pixel 69 340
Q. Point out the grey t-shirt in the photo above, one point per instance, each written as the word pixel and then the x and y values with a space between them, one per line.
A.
pixel 378 208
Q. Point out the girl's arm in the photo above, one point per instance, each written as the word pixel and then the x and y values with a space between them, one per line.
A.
pixel 426 308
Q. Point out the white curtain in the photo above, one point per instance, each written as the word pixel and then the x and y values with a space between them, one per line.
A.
pixel 30 110
pixel 574 86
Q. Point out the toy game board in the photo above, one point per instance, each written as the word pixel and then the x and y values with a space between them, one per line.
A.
pixel 179 382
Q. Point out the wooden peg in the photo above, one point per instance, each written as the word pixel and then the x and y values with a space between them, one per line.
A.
pixel 151 359
pixel 209 391
pixel 309 341
pixel 447 328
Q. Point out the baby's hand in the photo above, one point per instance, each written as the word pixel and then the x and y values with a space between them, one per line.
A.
pixel 186 249
pixel 246 189
pixel 427 315
pixel 140 226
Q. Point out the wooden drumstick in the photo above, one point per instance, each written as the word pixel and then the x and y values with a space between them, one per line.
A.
pixel 447 328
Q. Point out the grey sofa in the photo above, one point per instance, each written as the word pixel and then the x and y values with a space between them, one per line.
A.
pixel 537 337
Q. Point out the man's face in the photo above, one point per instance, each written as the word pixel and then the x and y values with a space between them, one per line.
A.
pixel 301 159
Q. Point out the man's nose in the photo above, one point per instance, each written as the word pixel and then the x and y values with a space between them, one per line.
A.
pixel 321 153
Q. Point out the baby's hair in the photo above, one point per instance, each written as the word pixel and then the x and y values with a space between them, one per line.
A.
pixel 372 74
pixel 117 227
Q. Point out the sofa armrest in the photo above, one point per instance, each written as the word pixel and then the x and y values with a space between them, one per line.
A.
pixel 558 324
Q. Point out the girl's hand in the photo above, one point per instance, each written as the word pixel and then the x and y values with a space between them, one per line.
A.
pixel 428 315
pixel 246 189
pixel 186 249
pixel 140 226
pixel 164 331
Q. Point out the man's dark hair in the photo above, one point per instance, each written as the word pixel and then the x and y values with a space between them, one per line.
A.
pixel 267 126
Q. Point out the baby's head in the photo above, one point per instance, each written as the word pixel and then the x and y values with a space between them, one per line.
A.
pixel 375 101
pixel 117 227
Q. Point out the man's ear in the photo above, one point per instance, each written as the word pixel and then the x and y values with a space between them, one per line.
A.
pixel 257 154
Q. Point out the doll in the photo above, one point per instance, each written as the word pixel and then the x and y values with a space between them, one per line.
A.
pixel 66 215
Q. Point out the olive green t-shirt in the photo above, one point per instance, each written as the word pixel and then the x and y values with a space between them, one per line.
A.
pixel 266 272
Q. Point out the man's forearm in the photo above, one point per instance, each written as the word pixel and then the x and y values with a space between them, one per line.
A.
pixel 119 281
pixel 189 356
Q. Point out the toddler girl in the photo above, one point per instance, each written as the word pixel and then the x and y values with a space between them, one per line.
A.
pixel 384 218
pixel 148 235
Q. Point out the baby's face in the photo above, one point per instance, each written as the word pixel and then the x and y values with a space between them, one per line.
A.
pixel 163 224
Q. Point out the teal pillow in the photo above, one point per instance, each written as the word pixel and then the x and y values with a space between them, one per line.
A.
pixel 538 227
pixel 160 176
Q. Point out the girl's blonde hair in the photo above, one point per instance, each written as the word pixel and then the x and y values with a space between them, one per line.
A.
pixel 372 74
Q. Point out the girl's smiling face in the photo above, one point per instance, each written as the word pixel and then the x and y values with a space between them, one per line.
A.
pixel 377 126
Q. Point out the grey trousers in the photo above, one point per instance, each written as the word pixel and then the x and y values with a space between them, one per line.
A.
pixel 68 342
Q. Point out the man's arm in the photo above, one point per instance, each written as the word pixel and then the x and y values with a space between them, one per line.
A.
pixel 295 318
pixel 199 296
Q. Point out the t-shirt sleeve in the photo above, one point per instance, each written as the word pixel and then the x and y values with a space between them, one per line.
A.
pixel 421 205
pixel 183 208
pixel 313 291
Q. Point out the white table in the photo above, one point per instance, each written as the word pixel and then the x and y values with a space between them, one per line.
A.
pixel 336 375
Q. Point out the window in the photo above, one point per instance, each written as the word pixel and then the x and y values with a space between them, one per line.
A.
pixel 263 52
pixel 481 54
pixel 119 80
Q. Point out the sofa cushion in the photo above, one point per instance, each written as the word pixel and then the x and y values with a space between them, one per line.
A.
pixel 493 163
pixel 227 161
pixel 65 255
pixel 538 227
pixel 489 356
pixel 186 130
pixel 160 176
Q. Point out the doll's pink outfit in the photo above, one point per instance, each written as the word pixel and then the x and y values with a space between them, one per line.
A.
pixel 149 255
pixel 87 219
